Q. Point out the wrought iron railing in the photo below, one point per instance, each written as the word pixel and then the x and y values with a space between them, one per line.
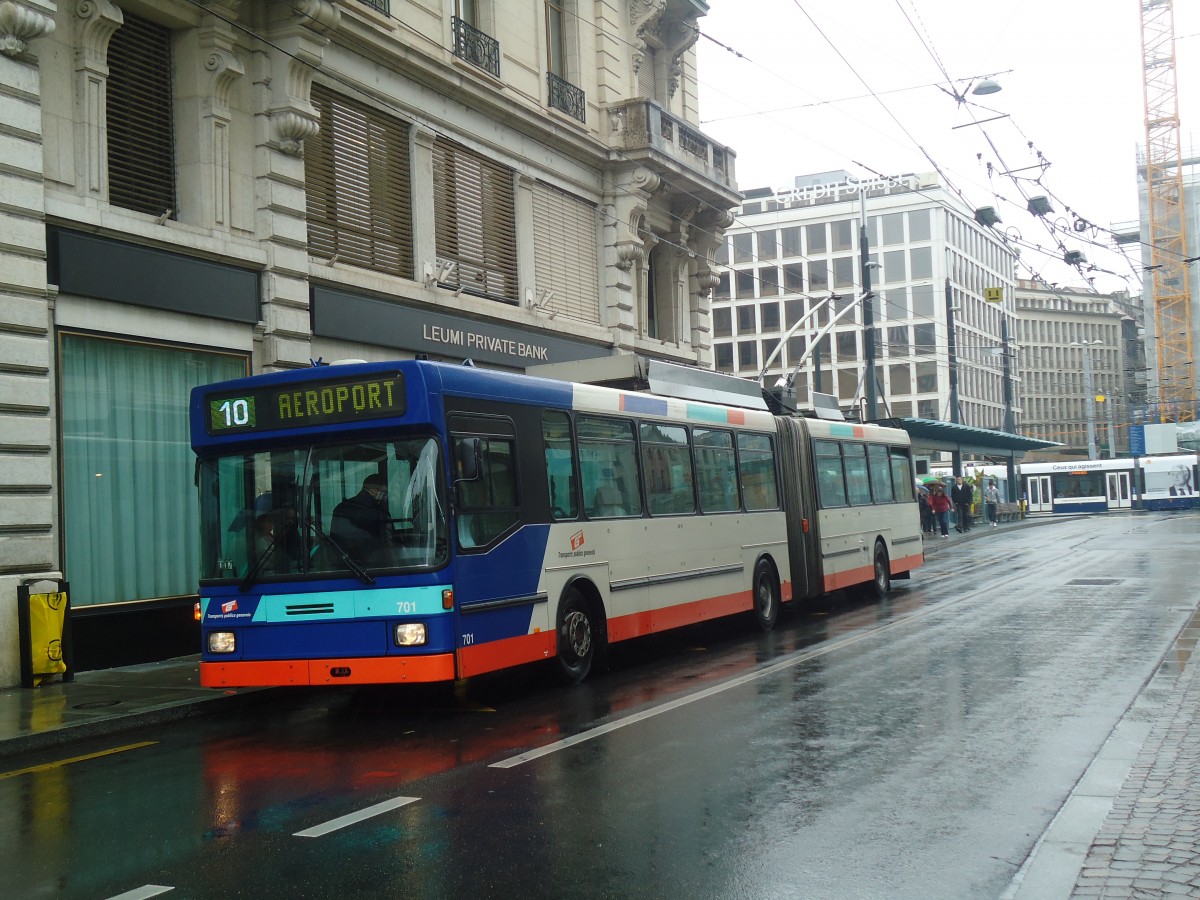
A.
pixel 381 5
pixel 566 97
pixel 475 47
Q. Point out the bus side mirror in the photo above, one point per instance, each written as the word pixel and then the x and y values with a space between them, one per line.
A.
pixel 470 459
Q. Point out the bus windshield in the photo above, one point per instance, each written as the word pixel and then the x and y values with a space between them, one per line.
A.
pixel 327 510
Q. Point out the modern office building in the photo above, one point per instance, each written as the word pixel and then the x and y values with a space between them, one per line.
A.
pixel 1079 359
pixel 931 265
pixel 194 191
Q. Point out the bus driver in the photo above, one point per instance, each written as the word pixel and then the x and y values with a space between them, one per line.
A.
pixel 360 523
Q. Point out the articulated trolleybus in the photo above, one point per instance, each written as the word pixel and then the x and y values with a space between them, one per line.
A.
pixel 419 522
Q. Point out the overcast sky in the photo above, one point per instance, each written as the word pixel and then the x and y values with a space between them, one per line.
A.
pixel 798 100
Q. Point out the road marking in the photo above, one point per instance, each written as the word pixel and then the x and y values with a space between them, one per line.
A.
pixel 352 818
pixel 45 767
pixel 787 663
pixel 142 893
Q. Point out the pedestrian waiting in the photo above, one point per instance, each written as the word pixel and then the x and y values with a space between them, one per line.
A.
pixel 991 502
pixel 963 495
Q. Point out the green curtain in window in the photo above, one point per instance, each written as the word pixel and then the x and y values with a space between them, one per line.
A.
pixel 130 522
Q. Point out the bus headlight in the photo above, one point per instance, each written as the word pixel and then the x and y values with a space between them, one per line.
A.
pixel 222 642
pixel 410 634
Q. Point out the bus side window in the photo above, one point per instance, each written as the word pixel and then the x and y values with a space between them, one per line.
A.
pixel 488 507
pixel 756 470
pixel 858 486
pixel 831 479
pixel 608 467
pixel 561 481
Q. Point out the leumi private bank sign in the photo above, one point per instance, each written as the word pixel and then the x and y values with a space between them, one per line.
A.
pixel 846 189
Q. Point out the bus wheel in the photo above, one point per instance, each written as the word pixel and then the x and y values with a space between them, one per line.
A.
pixel 576 637
pixel 881 583
pixel 766 596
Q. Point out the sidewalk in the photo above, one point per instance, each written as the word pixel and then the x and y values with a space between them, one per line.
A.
pixel 1130 828
pixel 105 702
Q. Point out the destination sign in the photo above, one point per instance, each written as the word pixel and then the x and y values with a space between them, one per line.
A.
pixel 334 402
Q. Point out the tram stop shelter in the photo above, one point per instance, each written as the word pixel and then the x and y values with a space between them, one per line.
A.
pixel 998 447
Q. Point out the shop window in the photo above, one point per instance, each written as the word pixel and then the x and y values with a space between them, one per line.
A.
pixel 130 519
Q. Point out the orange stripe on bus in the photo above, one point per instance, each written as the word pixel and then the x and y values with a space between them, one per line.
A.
pixel 480 658
pixel 361 670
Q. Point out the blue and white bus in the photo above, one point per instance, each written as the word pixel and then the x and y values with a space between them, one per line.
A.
pixel 420 522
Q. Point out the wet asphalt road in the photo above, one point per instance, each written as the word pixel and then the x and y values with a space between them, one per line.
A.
pixel 911 749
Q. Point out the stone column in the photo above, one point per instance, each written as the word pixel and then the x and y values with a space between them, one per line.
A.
pixel 286 117
pixel 28 539
pixel 625 252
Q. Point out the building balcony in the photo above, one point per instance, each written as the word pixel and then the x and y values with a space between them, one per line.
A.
pixel 646 133
pixel 566 97
pixel 473 46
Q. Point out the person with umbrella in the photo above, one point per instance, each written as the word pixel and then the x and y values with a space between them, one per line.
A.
pixel 940 503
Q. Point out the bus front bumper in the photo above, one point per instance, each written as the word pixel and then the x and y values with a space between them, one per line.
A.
pixel 285 672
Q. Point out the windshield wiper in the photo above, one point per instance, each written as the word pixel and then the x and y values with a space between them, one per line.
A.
pixel 345 557
pixel 252 575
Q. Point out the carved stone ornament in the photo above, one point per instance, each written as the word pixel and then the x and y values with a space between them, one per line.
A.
pixel 19 25
pixel 292 129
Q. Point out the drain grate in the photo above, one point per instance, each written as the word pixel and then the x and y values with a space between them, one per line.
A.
pixel 1094 581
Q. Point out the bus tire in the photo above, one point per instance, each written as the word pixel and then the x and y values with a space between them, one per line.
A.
pixel 880 584
pixel 766 596
pixel 577 637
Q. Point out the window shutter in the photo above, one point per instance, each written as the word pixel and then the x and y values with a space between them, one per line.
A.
pixel 648 74
pixel 139 118
pixel 565 255
pixel 475 221
pixel 357 180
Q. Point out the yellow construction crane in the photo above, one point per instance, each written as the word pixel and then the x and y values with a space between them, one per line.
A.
pixel 1168 221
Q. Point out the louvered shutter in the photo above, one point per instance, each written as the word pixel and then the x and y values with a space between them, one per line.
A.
pixel 475 221
pixel 357 180
pixel 139 118
pixel 565 255
pixel 648 74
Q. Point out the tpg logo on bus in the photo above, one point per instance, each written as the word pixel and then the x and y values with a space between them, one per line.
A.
pixel 577 540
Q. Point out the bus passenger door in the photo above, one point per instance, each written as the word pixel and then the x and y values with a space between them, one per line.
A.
pixel 1041 498
pixel 1119 496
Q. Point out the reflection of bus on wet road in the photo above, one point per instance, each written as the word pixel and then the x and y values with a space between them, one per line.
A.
pixel 499 519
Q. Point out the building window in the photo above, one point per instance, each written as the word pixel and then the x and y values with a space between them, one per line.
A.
pixel 843 272
pixel 768 281
pixel 927 409
pixel 927 380
pixel 562 95
pixel 901 379
pixel 818 275
pixel 816 238
pixel 921 261
pixel 139 119
pixel 747 354
pixel 893 228
pixel 745 284
pixel 847 346
pixel 768 244
pixel 723 355
pixel 769 313
pixel 124 421
pixel 923 304
pixel 898 340
pixel 722 322
pixel 475 221
pixel 894 268
pixel 923 338
pixel 743 247
pixel 791 241
pixel 660 294
pixel 721 291
pixel 843 234
pixel 745 319
pixel 565 255
pixel 356 176
pixel 793 278
pixel 918 225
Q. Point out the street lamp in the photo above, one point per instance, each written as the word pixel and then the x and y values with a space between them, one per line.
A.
pixel 1090 391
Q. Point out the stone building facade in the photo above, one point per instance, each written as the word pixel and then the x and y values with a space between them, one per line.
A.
pixel 192 190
